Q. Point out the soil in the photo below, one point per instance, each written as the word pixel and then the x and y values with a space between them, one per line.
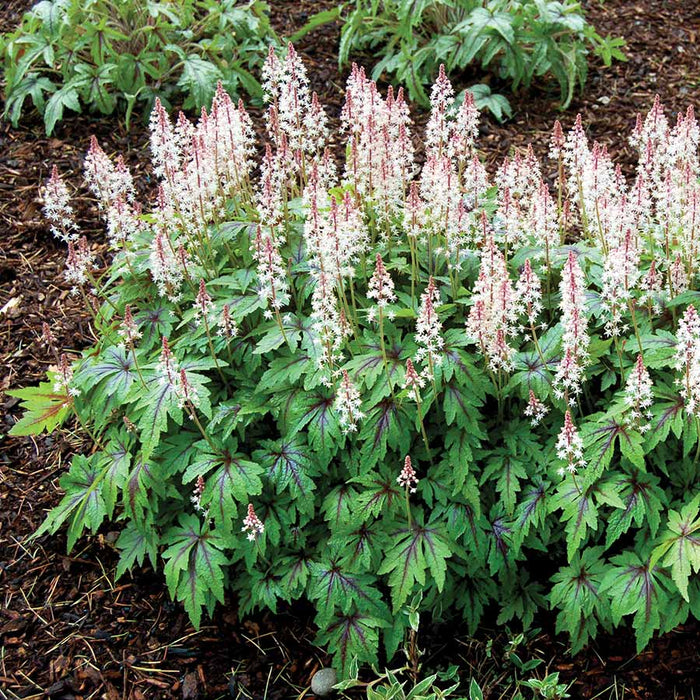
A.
pixel 67 630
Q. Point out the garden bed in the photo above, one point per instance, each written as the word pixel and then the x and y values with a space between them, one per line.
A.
pixel 66 628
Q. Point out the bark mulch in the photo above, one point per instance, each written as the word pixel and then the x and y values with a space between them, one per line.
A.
pixel 67 629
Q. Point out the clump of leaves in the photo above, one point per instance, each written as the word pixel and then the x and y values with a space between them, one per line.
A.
pixel 107 55
pixel 356 387
pixel 516 41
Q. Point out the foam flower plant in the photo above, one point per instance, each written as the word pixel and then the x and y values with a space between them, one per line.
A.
pixel 273 341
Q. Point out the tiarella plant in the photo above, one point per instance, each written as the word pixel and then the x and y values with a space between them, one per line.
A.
pixel 357 382
pixel 103 55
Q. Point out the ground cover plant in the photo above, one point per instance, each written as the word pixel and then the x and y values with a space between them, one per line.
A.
pixel 107 55
pixel 516 41
pixel 409 465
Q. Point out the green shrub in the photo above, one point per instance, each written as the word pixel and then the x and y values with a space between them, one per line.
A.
pixel 103 55
pixel 515 40
pixel 396 381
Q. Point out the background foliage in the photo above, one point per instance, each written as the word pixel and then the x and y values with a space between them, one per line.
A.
pixel 516 41
pixel 107 55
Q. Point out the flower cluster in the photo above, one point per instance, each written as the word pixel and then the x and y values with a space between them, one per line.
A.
pixel 428 328
pixel 688 359
pixel 639 397
pixel 535 409
pixel 57 208
pixel 570 372
pixel 491 320
pixel 569 447
pixel 252 524
pixel 407 479
pixel 347 404
pixel 380 288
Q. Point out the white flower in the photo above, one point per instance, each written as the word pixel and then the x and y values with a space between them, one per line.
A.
pixel 569 445
pixel 347 403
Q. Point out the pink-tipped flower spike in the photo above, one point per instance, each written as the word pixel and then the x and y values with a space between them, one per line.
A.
pixel 228 328
pixel 652 287
pixel 542 219
pixel 129 330
pixel 528 293
pixel 197 494
pixel 677 277
pixel 493 315
pixel 78 264
pixel 47 336
pixel 683 144
pixel 570 447
pixel 414 213
pixel 639 397
pixel 381 286
pixel 252 524
pixel 407 479
pixel 123 221
pixel 105 180
pixel 437 131
pixel 347 403
pixel 413 381
pixel 233 133
pixel 441 192
pixel 329 325
pixel 203 305
pixel 273 286
pixel 619 279
pixel 167 369
pixel 535 409
pixel 57 208
pixel 292 112
pixel 429 329
pixel 164 147
pixel 315 126
pixel 166 270
pixel 465 131
pixel 687 359
pixel 187 394
pixel 556 142
pixel 575 340
pixel 64 378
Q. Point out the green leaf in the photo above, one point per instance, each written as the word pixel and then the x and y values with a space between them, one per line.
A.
pixel 315 412
pixel 335 589
pixel 230 478
pixel 416 550
pixel 352 636
pixel 66 97
pixel 634 588
pixel 117 460
pixel 195 565
pixel 679 545
pixel 579 513
pixel 578 595
pixel 199 78
pixel 45 407
pixel 33 85
pixel 83 502
pixel 134 543
pixel 112 374
pixel 508 472
pixel 288 466
pixel 316 20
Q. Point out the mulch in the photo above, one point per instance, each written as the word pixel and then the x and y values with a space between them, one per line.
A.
pixel 67 629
